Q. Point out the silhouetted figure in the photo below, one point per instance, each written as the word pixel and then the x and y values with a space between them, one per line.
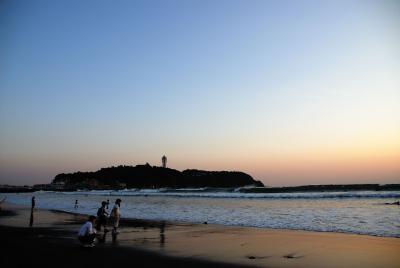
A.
pixel 102 217
pixel 108 203
pixel 115 216
pixel 76 204
pixel 33 204
pixel 87 233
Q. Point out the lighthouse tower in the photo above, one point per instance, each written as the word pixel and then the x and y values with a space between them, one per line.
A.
pixel 164 161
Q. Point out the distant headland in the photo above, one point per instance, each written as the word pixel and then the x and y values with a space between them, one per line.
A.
pixel 152 177
pixel 147 176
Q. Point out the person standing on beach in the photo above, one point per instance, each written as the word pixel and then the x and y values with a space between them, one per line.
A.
pixel 102 217
pixel 87 233
pixel 33 204
pixel 76 204
pixel 115 215
pixel 108 203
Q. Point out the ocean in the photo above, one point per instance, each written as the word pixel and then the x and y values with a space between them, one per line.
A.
pixel 349 212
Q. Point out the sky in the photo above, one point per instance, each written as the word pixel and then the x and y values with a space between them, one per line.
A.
pixel 290 92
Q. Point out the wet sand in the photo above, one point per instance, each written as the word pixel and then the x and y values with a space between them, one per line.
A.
pixel 52 240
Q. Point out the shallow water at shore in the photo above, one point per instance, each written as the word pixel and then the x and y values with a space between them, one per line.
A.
pixel 359 213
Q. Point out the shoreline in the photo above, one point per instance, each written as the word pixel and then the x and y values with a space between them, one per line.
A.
pixel 214 244
pixel 157 222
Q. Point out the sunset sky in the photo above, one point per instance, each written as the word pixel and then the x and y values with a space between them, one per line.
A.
pixel 291 92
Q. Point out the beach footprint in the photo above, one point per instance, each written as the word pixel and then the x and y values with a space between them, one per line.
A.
pixel 254 257
pixel 293 256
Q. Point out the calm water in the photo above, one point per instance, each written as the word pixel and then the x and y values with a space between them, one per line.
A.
pixel 350 212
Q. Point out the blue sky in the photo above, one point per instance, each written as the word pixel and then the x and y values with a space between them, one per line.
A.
pixel 292 92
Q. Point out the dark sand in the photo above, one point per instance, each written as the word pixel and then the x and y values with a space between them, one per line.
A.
pixel 51 241
pixel 55 245
pixel 45 247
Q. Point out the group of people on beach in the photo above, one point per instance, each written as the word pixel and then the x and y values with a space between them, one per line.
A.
pixel 88 231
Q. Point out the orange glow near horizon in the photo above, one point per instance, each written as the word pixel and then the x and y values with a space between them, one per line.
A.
pixel 361 161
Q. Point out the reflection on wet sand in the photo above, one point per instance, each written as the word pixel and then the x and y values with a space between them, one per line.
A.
pixel 162 235
pixel 31 219
pixel 145 227
pixel 114 238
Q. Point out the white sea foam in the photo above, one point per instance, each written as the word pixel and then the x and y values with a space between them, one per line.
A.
pixel 209 193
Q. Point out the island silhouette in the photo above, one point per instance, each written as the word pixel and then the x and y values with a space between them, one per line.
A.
pixel 147 176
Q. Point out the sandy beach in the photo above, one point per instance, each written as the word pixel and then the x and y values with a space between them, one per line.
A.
pixel 52 239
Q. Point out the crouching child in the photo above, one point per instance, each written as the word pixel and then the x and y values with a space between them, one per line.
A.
pixel 87 233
